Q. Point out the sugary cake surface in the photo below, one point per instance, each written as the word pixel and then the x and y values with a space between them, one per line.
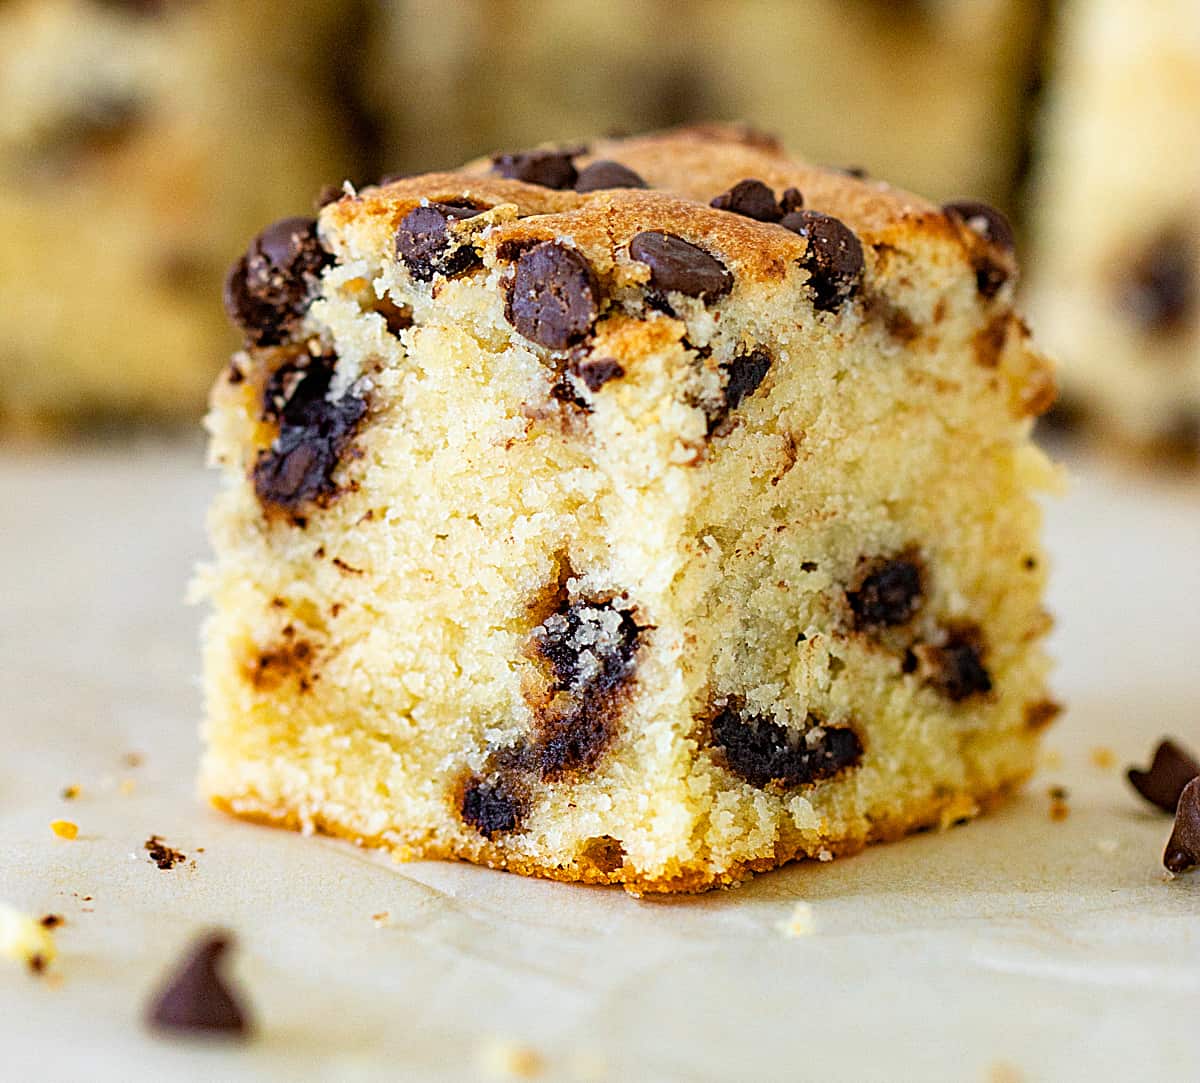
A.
pixel 651 514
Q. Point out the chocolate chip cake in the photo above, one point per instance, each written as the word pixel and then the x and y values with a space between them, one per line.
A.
pixel 140 142
pixel 649 514
pixel 1117 285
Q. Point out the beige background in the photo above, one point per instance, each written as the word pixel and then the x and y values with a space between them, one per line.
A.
pixel 1018 945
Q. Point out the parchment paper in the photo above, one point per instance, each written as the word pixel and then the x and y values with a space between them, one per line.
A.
pixel 1016 948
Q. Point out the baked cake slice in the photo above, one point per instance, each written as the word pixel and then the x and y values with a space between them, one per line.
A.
pixel 651 514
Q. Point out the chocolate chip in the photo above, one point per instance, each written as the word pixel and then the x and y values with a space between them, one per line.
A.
pixel 554 298
pixel 490 807
pixel 1170 771
pixel 595 372
pixel 293 388
pixel 196 999
pixel 589 645
pixel 548 168
pixel 313 434
pixel 988 222
pixel 607 174
pixel 1160 291
pixel 834 259
pixel 680 266
pixel 424 243
pixel 791 200
pixel 955 667
pixel 268 290
pixel 762 751
pixel 744 374
pixel 751 199
pixel 164 856
pixel 888 592
pixel 1183 849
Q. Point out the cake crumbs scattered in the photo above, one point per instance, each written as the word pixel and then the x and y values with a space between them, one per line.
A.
pixel 164 856
pixel 503 1059
pixel 64 829
pixel 1059 809
pixel 1103 757
pixel 25 939
pixel 51 921
pixel 382 919
pixel 799 923
pixel 69 793
pixel 132 759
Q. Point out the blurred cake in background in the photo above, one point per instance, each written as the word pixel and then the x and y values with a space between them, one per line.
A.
pixel 929 93
pixel 1116 278
pixel 140 143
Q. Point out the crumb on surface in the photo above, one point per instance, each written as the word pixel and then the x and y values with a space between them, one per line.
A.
pixel 69 793
pixel 51 921
pixel 382 919
pixel 1059 809
pixel 958 811
pixel 64 829
pixel 132 759
pixel 25 939
pixel 799 923
pixel 1103 757
pixel 126 786
pixel 505 1059
pixel 164 856
pixel 1003 1071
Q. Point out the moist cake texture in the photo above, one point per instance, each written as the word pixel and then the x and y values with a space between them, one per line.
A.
pixel 652 514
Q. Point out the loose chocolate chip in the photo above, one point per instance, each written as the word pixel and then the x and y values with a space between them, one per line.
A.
pixel 751 199
pixel 1170 771
pixel 956 667
pixel 313 434
pixel 791 200
pixel 589 645
pixel 595 372
pixel 988 222
pixel 606 174
pixel 744 374
pixel 490 807
pixel 548 168
pixel 889 593
pixel 761 751
pixel 269 288
pixel 554 298
pixel 834 259
pixel 1183 849
pixel 1161 290
pixel 680 266
pixel 424 243
pixel 196 999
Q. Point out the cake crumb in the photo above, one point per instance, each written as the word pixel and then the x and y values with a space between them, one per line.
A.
pixel 824 855
pixel 64 829
pixel 503 1059
pixel 69 793
pixel 51 921
pixel 799 923
pixel 164 856
pixel 1004 1072
pixel 382 919
pixel 126 786
pixel 1103 757
pixel 25 939
pixel 1059 809
pixel 132 759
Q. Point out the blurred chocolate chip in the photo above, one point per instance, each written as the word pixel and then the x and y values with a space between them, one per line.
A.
pixel 834 259
pixel 490 807
pixel 554 298
pixel 791 200
pixel 548 168
pixel 595 372
pixel 269 288
pixel 762 751
pixel 1183 849
pixel 196 999
pixel 678 265
pixel 329 193
pixel 988 222
pixel 1169 772
pixel 1160 290
pixel 424 243
pixel 955 667
pixel 888 592
pixel 751 199
pixel 607 174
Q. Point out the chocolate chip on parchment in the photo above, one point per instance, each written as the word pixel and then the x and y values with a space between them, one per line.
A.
pixel 269 288
pixel 752 199
pixel 425 244
pixel 1183 849
pixel 554 298
pixel 886 592
pixel 547 168
pixel 761 751
pixel 1171 769
pixel 196 999
pixel 603 174
pixel 680 266
pixel 834 259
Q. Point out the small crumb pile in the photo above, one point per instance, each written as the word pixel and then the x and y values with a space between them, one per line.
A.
pixel 25 939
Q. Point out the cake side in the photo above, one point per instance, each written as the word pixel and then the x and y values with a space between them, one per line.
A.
pixel 551 543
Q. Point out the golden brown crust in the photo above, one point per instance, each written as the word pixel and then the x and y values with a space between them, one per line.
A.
pixel 952 807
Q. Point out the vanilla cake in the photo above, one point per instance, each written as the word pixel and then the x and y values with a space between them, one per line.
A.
pixel 652 514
